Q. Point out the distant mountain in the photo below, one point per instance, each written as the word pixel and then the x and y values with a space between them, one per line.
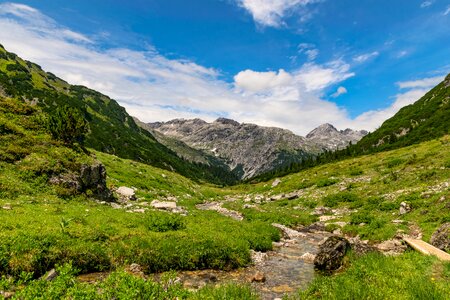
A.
pixel 248 149
pixel 112 130
pixel 426 119
pixel 329 138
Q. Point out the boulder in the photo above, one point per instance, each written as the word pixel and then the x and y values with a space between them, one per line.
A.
pixel 51 275
pixel 391 247
pixel 125 194
pixel 164 205
pixel 90 178
pixel 404 208
pixel 276 182
pixel 258 277
pixel 331 254
pixel 441 238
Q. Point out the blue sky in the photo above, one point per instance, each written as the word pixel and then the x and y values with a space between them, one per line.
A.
pixel 288 63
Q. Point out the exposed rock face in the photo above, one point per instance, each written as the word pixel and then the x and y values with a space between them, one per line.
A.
pixel 250 150
pixel 331 254
pixel 441 238
pixel 329 138
pixel 90 177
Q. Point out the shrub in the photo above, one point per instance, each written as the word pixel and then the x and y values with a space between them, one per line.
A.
pixel 68 125
pixel 334 199
pixel 326 182
pixel 162 222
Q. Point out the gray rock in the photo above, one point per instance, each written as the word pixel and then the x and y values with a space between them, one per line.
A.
pixel 331 254
pixel 51 275
pixel 276 182
pixel 125 194
pixel 164 205
pixel 441 238
pixel 404 208
pixel 90 178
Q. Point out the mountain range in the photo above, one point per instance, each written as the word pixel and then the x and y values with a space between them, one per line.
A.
pixel 248 149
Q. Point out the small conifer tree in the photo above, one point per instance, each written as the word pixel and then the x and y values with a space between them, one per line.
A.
pixel 68 125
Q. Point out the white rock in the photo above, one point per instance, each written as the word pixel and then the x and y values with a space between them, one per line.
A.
pixel 126 193
pixel 166 205
pixel 276 182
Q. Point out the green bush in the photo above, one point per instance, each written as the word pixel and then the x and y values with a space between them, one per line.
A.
pixel 162 222
pixel 342 197
pixel 326 182
pixel 67 124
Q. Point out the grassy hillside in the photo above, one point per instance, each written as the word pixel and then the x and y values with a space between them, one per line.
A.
pixel 112 130
pixel 426 119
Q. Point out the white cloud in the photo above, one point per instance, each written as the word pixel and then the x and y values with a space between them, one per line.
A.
pixel 271 12
pixel 426 4
pixel 364 57
pixel 156 88
pixel 428 82
pixel 340 91
pixel 309 50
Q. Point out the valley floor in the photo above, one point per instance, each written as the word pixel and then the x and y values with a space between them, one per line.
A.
pixel 361 197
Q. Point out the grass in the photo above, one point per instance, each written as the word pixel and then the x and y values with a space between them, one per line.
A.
pixel 374 276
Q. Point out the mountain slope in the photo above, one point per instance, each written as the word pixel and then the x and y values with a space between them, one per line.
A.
pixel 250 150
pixel 426 119
pixel 112 130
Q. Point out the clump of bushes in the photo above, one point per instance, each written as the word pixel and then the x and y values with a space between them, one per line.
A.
pixel 326 182
pixel 342 197
pixel 68 125
pixel 162 222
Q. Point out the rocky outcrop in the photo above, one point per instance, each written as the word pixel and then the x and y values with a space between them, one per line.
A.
pixel 441 238
pixel 331 254
pixel 90 178
pixel 248 149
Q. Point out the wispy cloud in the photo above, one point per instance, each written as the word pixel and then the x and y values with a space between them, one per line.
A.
pixel 271 12
pixel 365 57
pixel 426 3
pixel 420 83
pixel 309 50
pixel 447 11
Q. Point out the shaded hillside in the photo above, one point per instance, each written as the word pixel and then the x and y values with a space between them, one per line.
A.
pixel 112 130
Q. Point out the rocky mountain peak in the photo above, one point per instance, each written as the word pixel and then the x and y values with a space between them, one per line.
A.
pixel 226 121
pixel 324 129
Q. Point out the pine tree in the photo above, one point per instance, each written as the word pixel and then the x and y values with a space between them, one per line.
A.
pixel 68 125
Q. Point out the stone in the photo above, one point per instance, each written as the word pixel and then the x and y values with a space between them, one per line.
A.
pixel 404 208
pixel 135 269
pixel 391 247
pixel 164 205
pixel 361 247
pixel 6 295
pixel 115 205
pixel 258 277
pixel 331 254
pixel 7 206
pixel 90 178
pixel 258 257
pixel 284 288
pixel 292 196
pixel 51 275
pixel 327 218
pixel 319 211
pixel 308 257
pixel 125 193
pixel 277 197
pixel 276 182
pixel 441 237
